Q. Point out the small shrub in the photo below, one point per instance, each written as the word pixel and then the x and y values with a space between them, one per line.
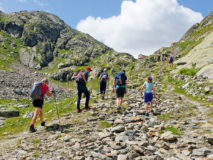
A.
pixel 188 71
pixel 105 124
pixel 164 117
pixel 172 129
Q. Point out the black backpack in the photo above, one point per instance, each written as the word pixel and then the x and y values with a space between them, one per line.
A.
pixel 104 77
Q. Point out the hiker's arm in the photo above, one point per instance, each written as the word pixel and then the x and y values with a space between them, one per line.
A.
pixel 154 91
pixel 99 79
pixel 113 87
pixel 142 89
pixel 49 94
pixel 83 76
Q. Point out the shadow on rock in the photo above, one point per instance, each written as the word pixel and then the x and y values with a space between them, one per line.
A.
pixel 57 127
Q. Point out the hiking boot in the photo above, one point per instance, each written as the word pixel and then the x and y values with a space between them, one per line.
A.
pixel 147 114
pixel 32 129
pixel 88 108
pixel 102 97
pixel 43 124
pixel 79 110
pixel 119 109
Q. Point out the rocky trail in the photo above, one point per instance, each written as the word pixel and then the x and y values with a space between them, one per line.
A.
pixel 178 129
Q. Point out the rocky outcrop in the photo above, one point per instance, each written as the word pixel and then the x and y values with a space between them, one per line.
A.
pixel 44 36
pixel 201 55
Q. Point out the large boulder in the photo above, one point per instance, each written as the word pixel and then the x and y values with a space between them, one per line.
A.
pixel 9 113
pixel 206 71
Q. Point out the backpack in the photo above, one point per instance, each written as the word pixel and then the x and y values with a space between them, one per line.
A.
pixel 171 59
pixel 104 77
pixel 79 77
pixel 120 78
pixel 36 90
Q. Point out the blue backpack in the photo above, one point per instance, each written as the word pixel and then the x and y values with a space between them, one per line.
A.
pixel 120 78
pixel 35 92
pixel 171 59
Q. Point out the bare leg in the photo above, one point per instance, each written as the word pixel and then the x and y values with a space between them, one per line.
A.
pixel 41 116
pixel 146 107
pixel 151 105
pixel 118 102
pixel 37 111
pixel 121 101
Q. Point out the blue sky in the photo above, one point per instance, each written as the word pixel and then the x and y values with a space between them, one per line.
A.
pixel 72 11
pixel 133 26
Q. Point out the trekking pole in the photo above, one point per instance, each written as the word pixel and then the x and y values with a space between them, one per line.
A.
pixel 108 89
pixel 56 107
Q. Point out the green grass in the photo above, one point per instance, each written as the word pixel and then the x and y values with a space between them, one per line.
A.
pixel 105 124
pixel 18 124
pixel 36 141
pixel 164 117
pixel 172 129
pixel 185 44
pixel 188 71
pixel 37 154
pixel 210 112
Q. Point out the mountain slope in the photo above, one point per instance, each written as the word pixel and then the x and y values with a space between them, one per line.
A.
pixel 44 38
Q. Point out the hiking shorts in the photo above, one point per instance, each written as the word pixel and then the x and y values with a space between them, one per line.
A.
pixel 120 91
pixel 148 97
pixel 38 103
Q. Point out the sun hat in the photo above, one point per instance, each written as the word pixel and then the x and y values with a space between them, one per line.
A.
pixel 89 69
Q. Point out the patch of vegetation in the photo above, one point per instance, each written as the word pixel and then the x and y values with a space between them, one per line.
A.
pixel 164 117
pixel 36 141
pixel 188 71
pixel 105 124
pixel 210 112
pixel 172 129
pixel 36 154
pixel 185 44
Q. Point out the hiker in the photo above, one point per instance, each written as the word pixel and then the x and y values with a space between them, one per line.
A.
pixel 103 78
pixel 82 88
pixel 148 94
pixel 120 84
pixel 171 60
pixel 38 91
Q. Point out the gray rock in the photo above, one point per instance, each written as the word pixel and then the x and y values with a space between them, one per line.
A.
pixel 210 139
pixel 28 114
pixel 168 136
pixel 207 89
pixel 99 156
pixel 118 129
pixel 9 113
pixel 122 157
pixel 201 152
pixel 23 106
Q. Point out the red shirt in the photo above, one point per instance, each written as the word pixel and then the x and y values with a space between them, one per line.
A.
pixel 44 90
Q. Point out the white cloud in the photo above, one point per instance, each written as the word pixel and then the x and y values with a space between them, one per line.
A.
pixel 142 26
